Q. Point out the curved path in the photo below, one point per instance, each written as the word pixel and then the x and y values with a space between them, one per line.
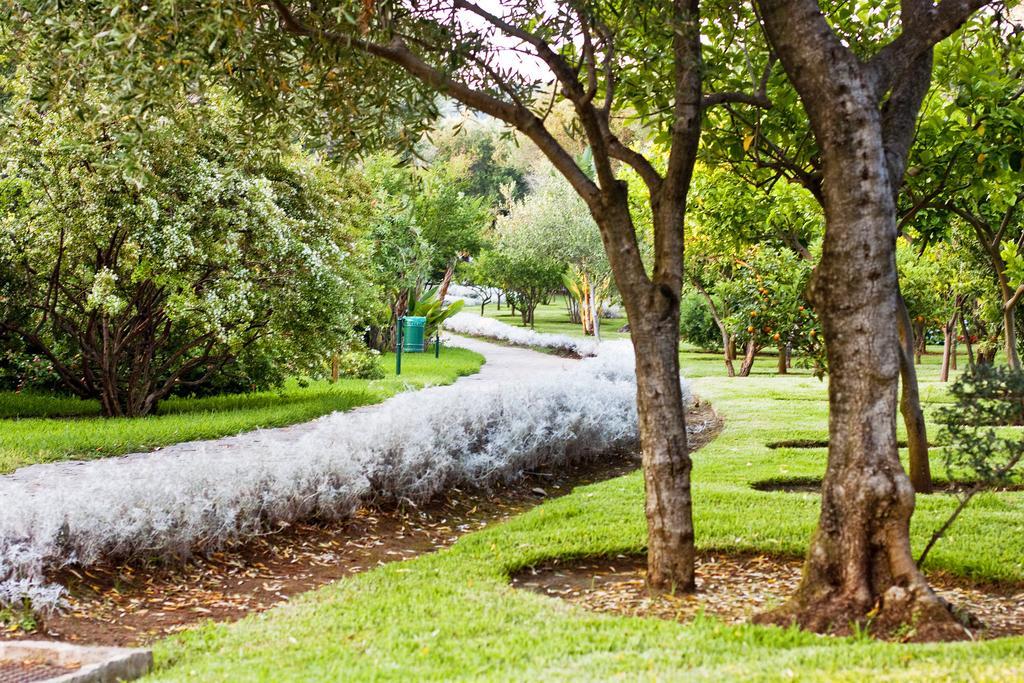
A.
pixel 502 364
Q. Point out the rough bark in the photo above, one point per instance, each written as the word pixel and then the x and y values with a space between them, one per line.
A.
pixel 859 561
pixel 667 464
pixel 1010 336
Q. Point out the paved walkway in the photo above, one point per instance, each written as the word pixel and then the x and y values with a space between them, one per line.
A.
pixel 502 364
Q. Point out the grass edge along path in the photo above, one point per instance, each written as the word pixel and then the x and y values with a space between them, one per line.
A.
pixel 79 434
pixel 453 615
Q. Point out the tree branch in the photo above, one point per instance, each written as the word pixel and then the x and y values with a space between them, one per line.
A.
pixel 924 25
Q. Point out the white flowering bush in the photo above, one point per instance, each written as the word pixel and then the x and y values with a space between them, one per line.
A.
pixel 479 326
pixel 220 267
pixel 472 295
pixel 413 447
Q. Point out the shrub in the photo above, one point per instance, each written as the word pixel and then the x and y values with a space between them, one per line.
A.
pixel 414 446
pixel 136 283
pixel 696 325
pixel 480 326
pixel 360 364
pixel 981 446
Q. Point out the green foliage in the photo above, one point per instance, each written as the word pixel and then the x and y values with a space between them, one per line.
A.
pixel 42 431
pixel 487 152
pixel 360 363
pixel 769 306
pixel 526 276
pixel 1014 261
pixel 451 220
pixel 429 306
pixel 147 56
pixel 137 283
pixel 696 325
pixel 984 402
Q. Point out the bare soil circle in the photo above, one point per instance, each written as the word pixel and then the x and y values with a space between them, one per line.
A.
pixel 734 587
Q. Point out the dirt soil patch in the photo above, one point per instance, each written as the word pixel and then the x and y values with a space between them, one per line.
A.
pixel 734 587
pixel 130 605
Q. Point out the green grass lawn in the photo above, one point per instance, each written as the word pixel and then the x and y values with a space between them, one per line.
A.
pixel 453 615
pixel 38 428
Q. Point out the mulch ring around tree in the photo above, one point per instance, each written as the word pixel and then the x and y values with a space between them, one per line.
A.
pixel 734 587
pixel 134 604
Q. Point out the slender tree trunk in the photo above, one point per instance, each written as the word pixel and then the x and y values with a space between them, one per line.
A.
pixel 919 464
pixel 1009 314
pixel 748 359
pixel 948 345
pixel 446 282
pixel 728 343
pixel 967 341
pixel 955 344
pixel 652 306
pixel 783 367
pixel 1010 337
pixel 594 318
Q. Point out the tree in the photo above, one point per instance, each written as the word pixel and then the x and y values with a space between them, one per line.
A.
pixel 769 308
pixel 489 154
pixel 134 289
pixel 968 164
pixel 553 221
pixel 452 222
pixel 862 113
pixel 526 275
pixel 730 216
pixel 768 144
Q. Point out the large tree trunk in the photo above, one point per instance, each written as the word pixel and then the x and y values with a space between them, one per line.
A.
pixel 859 568
pixel 919 465
pixel 666 460
pixel 860 560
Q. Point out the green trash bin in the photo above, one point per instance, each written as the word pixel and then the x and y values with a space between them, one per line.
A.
pixel 413 330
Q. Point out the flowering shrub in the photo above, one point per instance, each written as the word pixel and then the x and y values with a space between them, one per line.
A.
pixel 471 294
pixel 479 326
pixel 360 364
pixel 414 446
